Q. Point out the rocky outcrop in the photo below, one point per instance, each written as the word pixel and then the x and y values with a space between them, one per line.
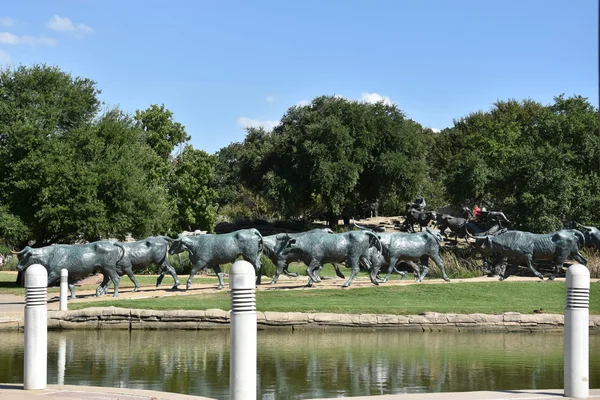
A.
pixel 123 318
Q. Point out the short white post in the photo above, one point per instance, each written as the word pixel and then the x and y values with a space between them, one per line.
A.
pixel 576 329
pixel 242 345
pixel 64 289
pixel 36 328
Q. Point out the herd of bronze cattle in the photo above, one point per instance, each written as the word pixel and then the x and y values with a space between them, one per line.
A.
pixel 358 248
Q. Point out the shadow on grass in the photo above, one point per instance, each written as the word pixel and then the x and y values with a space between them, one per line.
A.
pixel 10 285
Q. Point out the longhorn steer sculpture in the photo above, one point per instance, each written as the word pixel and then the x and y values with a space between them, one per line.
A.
pixel 455 224
pixel 281 261
pixel 320 248
pixel 523 247
pixel 80 260
pixel 210 250
pixel 422 218
pixel 141 254
pixel 379 261
pixel 410 247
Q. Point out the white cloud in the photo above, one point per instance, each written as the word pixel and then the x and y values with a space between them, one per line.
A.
pixel 375 98
pixel 9 38
pixel 256 123
pixel 61 24
pixel 5 58
pixel 7 22
pixel 435 130
pixel 303 103
pixel 271 99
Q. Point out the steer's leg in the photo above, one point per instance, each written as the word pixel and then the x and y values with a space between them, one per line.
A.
pixel 440 264
pixel 136 284
pixel 354 264
pixel 199 265
pixel 393 262
pixel 509 270
pixel 104 286
pixel 338 272
pixel 425 270
pixel 532 268
pixel 280 267
pixel 114 277
pixel 314 265
pixel 286 266
pixel 164 268
pixel 217 269
pixel 415 267
pixel 577 256
pixel 258 269
pixel 371 268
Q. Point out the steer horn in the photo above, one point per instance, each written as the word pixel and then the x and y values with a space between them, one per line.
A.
pixel 17 252
pixel 471 236
pixel 588 228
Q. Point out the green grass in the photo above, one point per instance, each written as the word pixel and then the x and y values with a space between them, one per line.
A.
pixel 467 297
pixel 9 286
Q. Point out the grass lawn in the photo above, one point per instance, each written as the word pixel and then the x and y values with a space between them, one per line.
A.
pixel 8 285
pixel 464 297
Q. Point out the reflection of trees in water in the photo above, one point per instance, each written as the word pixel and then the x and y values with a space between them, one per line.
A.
pixel 305 364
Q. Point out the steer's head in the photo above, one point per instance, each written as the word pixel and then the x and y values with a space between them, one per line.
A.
pixel 177 245
pixel 283 242
pixel 26 257
pixel 592 235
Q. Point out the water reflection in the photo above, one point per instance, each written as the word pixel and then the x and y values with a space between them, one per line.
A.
pixel 303 364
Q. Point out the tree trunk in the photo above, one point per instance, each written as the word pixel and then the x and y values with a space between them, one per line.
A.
pixel 333 220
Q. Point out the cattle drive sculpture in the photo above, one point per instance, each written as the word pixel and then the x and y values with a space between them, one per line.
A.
pixel 317 249
pixel 211 250
pixel 520 248
pixel 142 254
pixel 80 260
pixel 281 261
pixel 373 251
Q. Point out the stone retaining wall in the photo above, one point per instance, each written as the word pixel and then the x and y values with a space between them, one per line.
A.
pixel 123 318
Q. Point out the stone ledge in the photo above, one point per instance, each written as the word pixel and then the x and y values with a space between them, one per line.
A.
pixel 121 318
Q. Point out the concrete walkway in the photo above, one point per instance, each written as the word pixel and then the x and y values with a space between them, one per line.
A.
pixel 57 392
pixel 10 303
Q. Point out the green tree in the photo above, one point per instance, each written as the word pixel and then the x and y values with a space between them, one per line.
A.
pixel 163 134
pixel 66 174
pixel 227 173
pixel 332 154
pixel 193 191
pixel 537 163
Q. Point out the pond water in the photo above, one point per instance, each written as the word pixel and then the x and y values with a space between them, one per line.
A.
pixel 303 364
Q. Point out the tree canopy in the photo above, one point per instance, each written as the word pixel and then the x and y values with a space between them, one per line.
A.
pixel 70 173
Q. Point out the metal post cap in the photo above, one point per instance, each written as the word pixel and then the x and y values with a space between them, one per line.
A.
pixel 36 275
pixel 64 272
pixel 242 276
pixel 578 276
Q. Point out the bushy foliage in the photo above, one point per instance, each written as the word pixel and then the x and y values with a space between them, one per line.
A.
pixel 70 173
pixel 539 164
pixel 333 154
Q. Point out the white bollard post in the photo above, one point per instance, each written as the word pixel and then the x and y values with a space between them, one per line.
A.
pixel 242 345
pixel 576 346
pixel 64 289
pixel 36 328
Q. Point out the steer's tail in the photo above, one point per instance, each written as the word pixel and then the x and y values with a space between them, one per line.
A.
pixel 122 251
pixel 260 240
pixel 378 245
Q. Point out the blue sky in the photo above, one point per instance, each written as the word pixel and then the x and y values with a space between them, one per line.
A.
pixel 220 65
